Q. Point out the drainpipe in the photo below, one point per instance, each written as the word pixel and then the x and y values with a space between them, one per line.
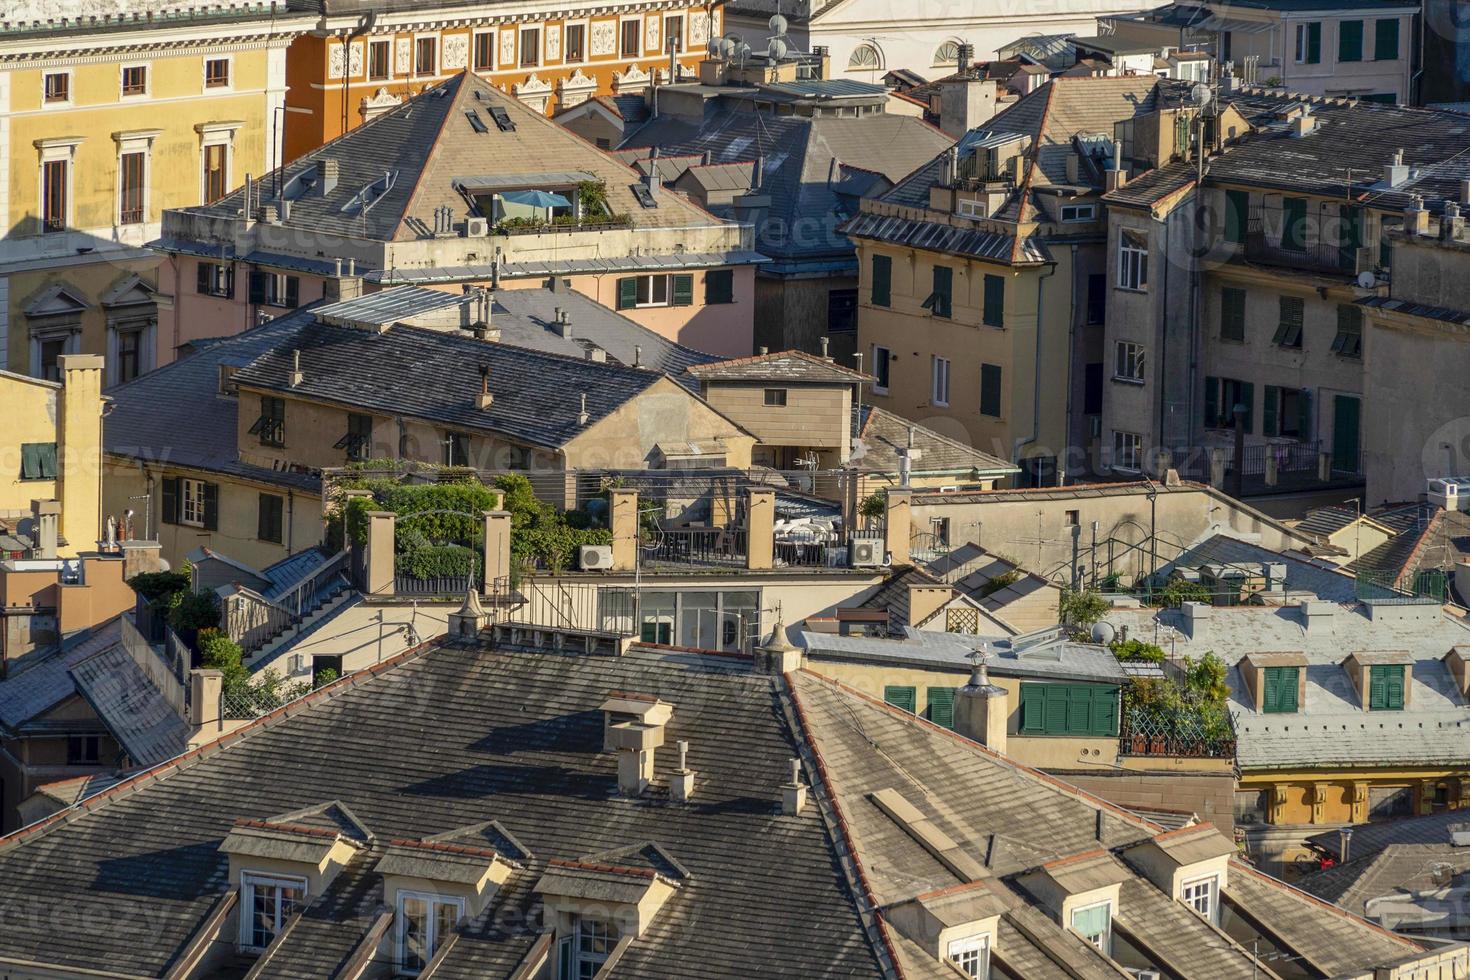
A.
pixel 1036 390
pixel 290 522
pixel 1163 338
pixel 1072 342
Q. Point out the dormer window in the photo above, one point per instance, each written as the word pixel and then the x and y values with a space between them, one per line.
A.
pixel 971 956
pixel 425 923
pixel 1386 687
pixel 1094 923
pixel 1203 895
pixel 267 903
pixel 583 951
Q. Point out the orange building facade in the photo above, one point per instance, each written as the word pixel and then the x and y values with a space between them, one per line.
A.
pixel 549 56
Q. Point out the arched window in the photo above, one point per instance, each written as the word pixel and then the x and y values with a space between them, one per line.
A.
pixel 864 57
pixel 947 53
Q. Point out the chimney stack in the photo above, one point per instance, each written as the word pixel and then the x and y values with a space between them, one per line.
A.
pixel 825 341
pixel 681 786
pixel 637 355
pixel 1394 172
pixel 1465 192
pixel 1416 217
pixel 793 794
pixel 326 176
pixel 484 399
pixel 296 374
pixel 981 709
pixel 633 727
pixel 1452 224
pixel 652 180
pixel 46 520
pixel 582 415
pixel 764 351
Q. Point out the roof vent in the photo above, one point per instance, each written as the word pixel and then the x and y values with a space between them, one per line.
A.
pixel 793 794
pixel 596 354
pixel 681 786
pixel 582 415
pixel 1304 124
pixel 561 323
pixel 296 376
pixel 484 399
pixel 1395 172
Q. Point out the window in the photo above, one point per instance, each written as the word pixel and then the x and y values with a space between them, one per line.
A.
pixel 1309 43
pixel 1386 687
pixel 216 171
pixel 882 285
pixel 775 397
pixel 947 53
pixel 56 87
pixel 131 180
pixel 969 208
pixel 1132 259
pixel 358 442
pixel 940 301
pixel 191 510
pixel 864 57
pixel 83 750
pixel 1232 313
pixel 380 54
pixel 129 355
pixel 426 56
pixel 191 502
pixel 1237 208
pixel 658 290
pixel 425 922
pixel 271 518
pixel 1349 339
pixel 994 314
pixel 51 350
pixel 1289 327
pixel 217 71
pixel 941 706
pixel 574 48
pixel 1221 397
pixel 134 80
pixel 274 289
pixel 1294 224
pixel 530 47
pixel 1386 39
pixel 881 356
pixel 483 56
pixel 271 425
pixel 216 279
pixel 267 904
pixel 38 461
pixel 719 287
pixel 1127 451
pixel 900 697
pixel 632 38
pixel 456 449
pixel 1279 687
pixel 972 956
pixel 841 311
pixel 674 33
pixel 990 399
pixel 939 382
pixel 1094 923
pixel 55 178
pixel 1202 895
pixel 581 954
pixel 1069 709
pixel 1079 212
pixel 1129 363
pixel 1350 40
pixel 1286 412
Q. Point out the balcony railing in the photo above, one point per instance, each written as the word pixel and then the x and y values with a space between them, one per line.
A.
pixel 1180 735
pixel 1267 248
pixel 698 546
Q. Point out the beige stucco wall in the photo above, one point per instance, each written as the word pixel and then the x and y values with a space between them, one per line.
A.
pixel 814 416
pixel 663 414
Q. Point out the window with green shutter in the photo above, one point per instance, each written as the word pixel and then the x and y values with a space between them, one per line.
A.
pixel 1289 327
pixel 1386 40
pixel 1349 339
pixel 990 399
pixel 1350 40
pixel 900 697
pixel 1279 690
pixel 38 461
pixel 719 287
pixel 1294 224
pixel 683 290
pixel 270 520
pixel 941 299
pixel 1232 313
pixel 1386 687
pixel 1237 205
pixel 994 314
pixel 1069 709
pixel 627 292
pixel 941 706
pixel 882 293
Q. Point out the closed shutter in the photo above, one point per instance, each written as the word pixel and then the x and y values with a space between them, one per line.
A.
pixel 1033 708
pixel 900 697
pixel 38 461
pixel 943 290
pixel 1280 690
pixel 1386 687
pixel 990 390
pixel 1269 423
pixel 211 506
pixel 1104 718
pixel 257 287
pixel 170 511
pixel 683 290
pixel 1232 313
pixel 202 284
pixel 1386 40
pixel 941 706
pixel 1237 203
pixel 1079 710
pixel 269 526
pixel 1248 399
pixel 293 291
pixel 1314 43
pixel 1212 403
pixel 995 301
pixel 1057 697
pixel 1350 40
pixel 882 280
pixel 627 292
pixel 1294 223
pixel 719 287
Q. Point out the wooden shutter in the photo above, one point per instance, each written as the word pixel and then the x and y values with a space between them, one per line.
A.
pixel 1212 403
pixel 683 290
pixel 900 697
pixel 1033 708
pixel 1271 690
pixel 211 506
pixel 990 390
pixel 1350 40
pixel 1232 313
pixel 169 513
pixel 627 292
pixel 995 301
pixel 293 291
pixel 257 287
pixel 1386 39
pixel 1079 710
pixel 1237 204
pixel 1056 709
pixel 941 706
pixel 882 292
pixel 1269 422
pixel 202 282
pixel 943 290
pixel 1314 43
pixel 1104 715
pixel 269 525
pixel 719 287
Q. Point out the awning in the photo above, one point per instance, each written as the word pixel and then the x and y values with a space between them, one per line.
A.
pixel 536 199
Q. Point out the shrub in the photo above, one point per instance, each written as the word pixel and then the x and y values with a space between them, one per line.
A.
pixel 194 611
pixel 1137 650
pixel 154 586
pixel 324 677
pixel 218 652
pixel 1082 609
pixel 999 582
pixel 1177 591
pixel 438 561
pixel 874 505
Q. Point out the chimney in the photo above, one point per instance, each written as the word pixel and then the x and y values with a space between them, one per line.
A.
pixel 637 355
pixel 633 727
pixel 966 52
pixel 296 376
pixel 1115 178
pixel 285 206
pixel 1196 617
pixel 249 198
pixel 652 180
pixel 205 688
pixel 326 176
pixel 1452 224
pixel 763 351
pixel 484 399
pixel 681 784
pixel 825 342
pixel 597 355
pixel 1416 217
pixel 793 794
pixel 1465 192
pixel 706 158
pixel 758 173
pixel 777 655
pixel 982 709
pixel 1394 172
pixel 46 517
pixel 1316 614
pixel 582 415
pixel 469 620
pixel 1303 124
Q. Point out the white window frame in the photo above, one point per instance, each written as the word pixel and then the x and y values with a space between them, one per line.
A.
pixel 975 949
pixel 71 91
pixel 54 151
pixel 1106 944
pixel 1302 46
pixel 493 34
pixel 586 41
pixel 400 925
pixel 122 70
pixel 668 280
pixel 249 881
pixel 1190 894
pixel 387 42
pixel 1129 360
pixel 1080 212
pixel 873 350
pixel 191 502
pixel 229 85
pixel 438 55
pixel 970 208
pixel 578 957
pixel 540 28
pixel 1134 465
pixel 1132 263
pixel 275 288
pixel 939 371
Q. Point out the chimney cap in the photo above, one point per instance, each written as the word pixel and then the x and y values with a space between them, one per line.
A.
pixel 777 642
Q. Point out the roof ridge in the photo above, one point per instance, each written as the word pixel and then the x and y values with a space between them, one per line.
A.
pixel 455 100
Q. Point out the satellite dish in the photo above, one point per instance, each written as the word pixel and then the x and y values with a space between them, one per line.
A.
pixel 1104 632
pixel 727 46
pixel 776 49
pixel 1367 280
pixel 742 50
pixel 1200 94
pixel 715 44
pixel 777 24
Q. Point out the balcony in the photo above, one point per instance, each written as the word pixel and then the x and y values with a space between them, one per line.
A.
pixel 1264 247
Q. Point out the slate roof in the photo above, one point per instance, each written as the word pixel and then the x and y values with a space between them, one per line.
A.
pixel 879 435
pixel 1043 654
pixel 144 422
pixel 972 571
pixel 1443 313
pixel 42 680
pixel 892 596
pixel 137 714
pixel 1323 580
pixel 1154 186
pixel 788 367
pixel 1432 538
pixel 1401 886
pixel 936 237
pixel 435 376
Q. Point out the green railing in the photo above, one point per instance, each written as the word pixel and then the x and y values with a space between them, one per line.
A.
pixel 1383 586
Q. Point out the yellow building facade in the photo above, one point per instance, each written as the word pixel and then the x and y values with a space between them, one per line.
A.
pixel 102 127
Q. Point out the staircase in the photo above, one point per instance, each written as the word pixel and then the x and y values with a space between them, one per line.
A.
pixel 262 622
pixel 338 600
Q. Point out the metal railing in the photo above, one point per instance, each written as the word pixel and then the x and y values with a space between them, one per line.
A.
pixel 262 694
pixel 313 589
pixel 1261 247
pixel 586 606
pixel 698 546
pixel 1143 732
pixel 439 585
pixel 165 670
pixel 807 551
pixel 253 620
pixel 1386 587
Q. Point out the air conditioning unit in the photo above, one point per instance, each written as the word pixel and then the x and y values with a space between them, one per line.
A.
pixel 476 227
pixel 595 558
pixel 867 554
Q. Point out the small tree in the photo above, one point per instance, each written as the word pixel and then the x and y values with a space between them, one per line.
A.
pixel 1178 591
pixel 1081 609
